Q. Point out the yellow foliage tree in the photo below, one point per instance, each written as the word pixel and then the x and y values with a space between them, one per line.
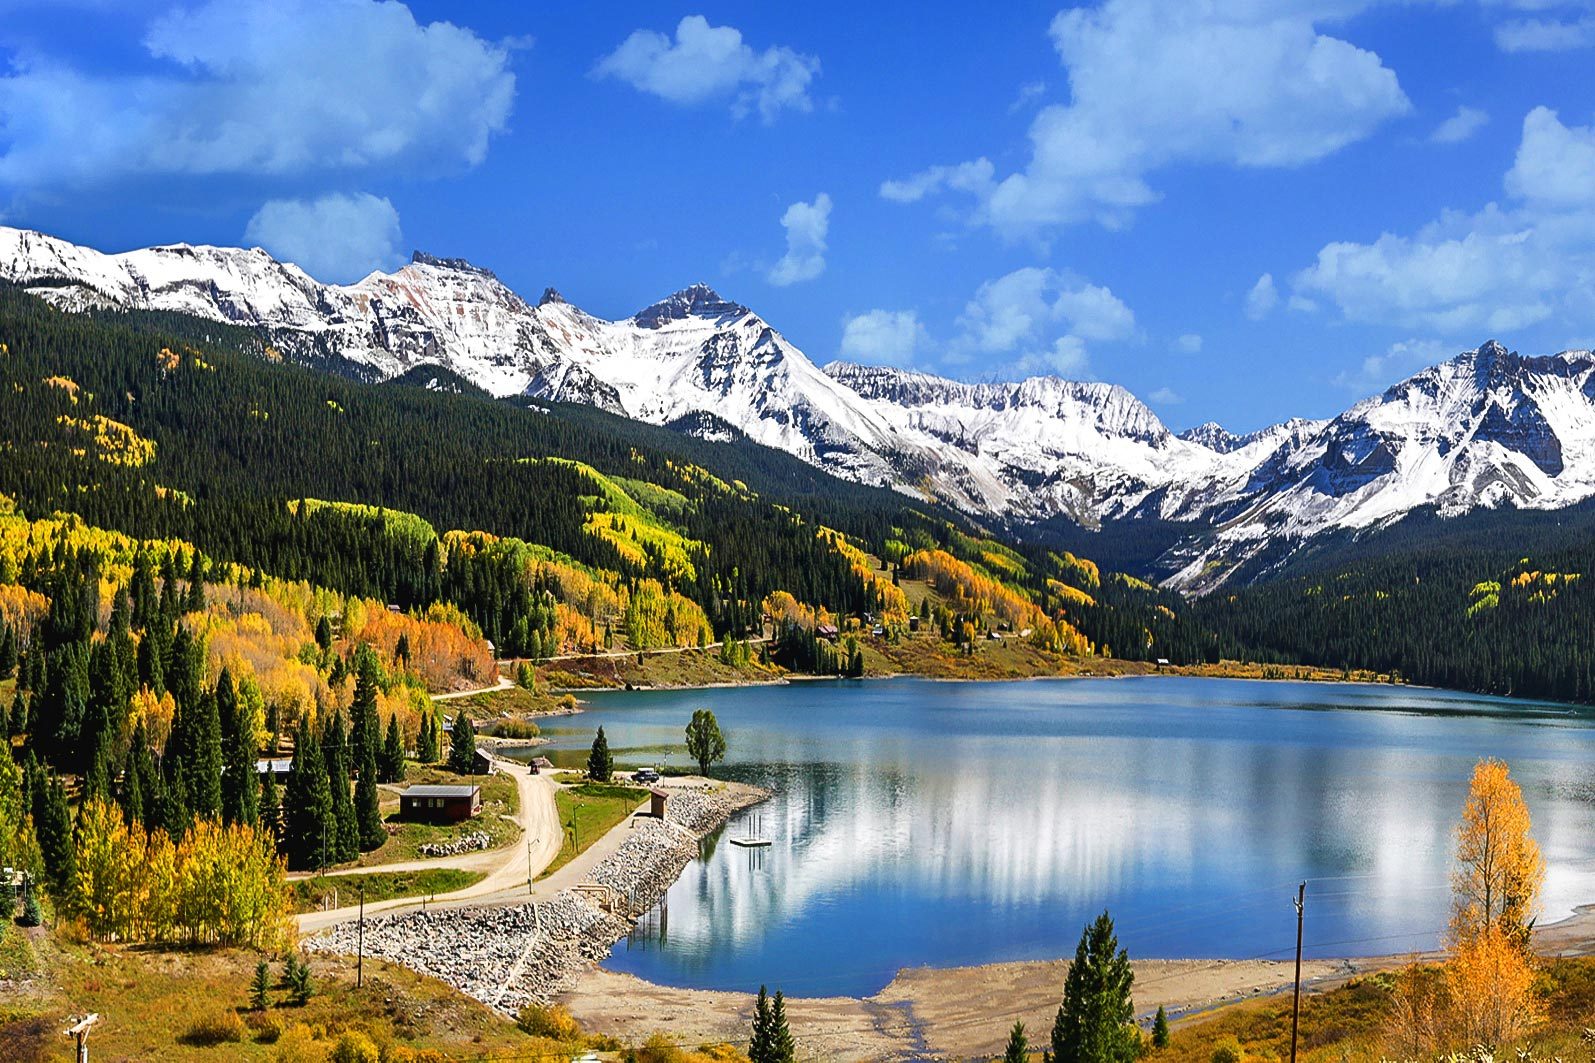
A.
pixel 1497 883
pixel 1490 984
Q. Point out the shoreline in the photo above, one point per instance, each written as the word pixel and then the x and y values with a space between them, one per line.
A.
pixel 514 952
pixel 966 1011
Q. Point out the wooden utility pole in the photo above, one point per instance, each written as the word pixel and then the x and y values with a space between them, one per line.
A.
pixel 1295 1006
pixel 360 949
pixel 80 1030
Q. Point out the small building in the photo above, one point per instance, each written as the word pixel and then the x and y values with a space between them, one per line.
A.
pixel 656 802
pixel 440 804
pixel 278 766
pixel 483 762
pixel 827 632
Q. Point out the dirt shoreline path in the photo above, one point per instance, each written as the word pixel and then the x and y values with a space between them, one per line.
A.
pixel 964 1012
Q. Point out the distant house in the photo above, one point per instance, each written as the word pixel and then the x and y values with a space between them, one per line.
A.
pixel 278 766
pixel 440 804
pixel 827 631
pixel 484 762
pixel 1162 662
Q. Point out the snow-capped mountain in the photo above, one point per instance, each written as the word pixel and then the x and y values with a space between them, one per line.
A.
pixel 1485 429
pixel 1488 428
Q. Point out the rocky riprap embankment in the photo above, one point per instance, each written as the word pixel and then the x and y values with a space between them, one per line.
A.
pixel 510 956
pixel 468 843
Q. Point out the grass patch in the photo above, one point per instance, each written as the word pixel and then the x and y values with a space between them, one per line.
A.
pixel 152 1003
pixel 510 701
pixel 595 808
pixel 500 799
pixel 311 893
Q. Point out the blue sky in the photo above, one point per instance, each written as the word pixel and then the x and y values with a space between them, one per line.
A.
pixel 1242 210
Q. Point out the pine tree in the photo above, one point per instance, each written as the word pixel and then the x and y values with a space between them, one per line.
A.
pixel 1018 1050
pixel 52 823
pixel 759 1045
pixel 270 805
pixel 308 834
pixel 324 634
pixel 203 772
pixel 195 602
pixel 1160 1029
pixel 368 812
pixel 392 766
pixel 462 746
pixel 426 743
pixel 600 765
pixel 260 987
pixel 782 1048
pixel 8 652
pixel 345 824
pixel 1095 1022
pixel 239 788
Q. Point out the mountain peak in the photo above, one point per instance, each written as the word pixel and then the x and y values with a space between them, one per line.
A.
pixel 421 258
pixel 699 300
pixel 1213 436
pixel 550 295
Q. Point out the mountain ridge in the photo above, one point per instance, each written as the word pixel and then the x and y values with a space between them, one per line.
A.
pixel 1487 428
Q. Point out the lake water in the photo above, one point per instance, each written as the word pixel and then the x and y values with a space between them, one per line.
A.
pixel 943 824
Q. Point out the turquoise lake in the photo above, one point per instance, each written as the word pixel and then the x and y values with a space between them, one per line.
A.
pixel 924 823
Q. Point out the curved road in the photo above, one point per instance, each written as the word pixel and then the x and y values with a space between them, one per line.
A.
pixel 507 868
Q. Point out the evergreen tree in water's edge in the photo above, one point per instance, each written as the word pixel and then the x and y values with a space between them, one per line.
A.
pixel 1095 1023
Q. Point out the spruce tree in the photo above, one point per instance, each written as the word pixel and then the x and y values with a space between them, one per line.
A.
pixel 392 766
pixel 1018 1050
pixel 324 634
pixel 600 765
pixel 270 805
pixel 53 824
pixel 345 825
pixel 260 987
pixel 368 812
pixel 462 746
pixel 782 1048
pixel 1095 1023
pixel 1160 1029
pixel 195 601
pixel 203 772
pixel 759 1044
pixel 8 652
pixel 239 787
pixel 176 815
pixel 308 828
pixel 426 744
pixel 130 796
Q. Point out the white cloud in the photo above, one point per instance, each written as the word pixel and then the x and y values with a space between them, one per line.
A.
pixel 807 225
pixel 706 63
pixel 1460 126
pixel 972 177
pixel 337 237
pixel 882 337
pixel 1262 298
pixel 1028 93
pixel 1166 396
pixel 1498 269
pixel 1190 343
pixel 1554 164
pixel 1022 313
pixel 260 87
pixel 1235 82
pixel 1398 362
pixel 1545 35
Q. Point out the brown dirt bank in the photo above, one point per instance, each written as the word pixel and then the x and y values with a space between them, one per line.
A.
pixel 930 1012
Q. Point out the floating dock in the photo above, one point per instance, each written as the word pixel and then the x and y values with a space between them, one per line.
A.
pixel 751 843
